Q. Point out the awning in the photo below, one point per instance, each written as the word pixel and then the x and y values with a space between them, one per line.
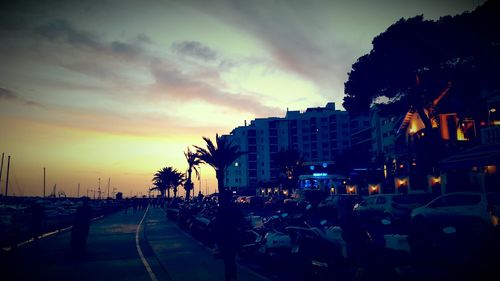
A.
pixel 482 155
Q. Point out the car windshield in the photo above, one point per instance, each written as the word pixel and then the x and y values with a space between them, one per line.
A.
pixel 457 200
pixel 411 199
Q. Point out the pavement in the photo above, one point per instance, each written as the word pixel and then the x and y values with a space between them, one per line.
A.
pixel 120 246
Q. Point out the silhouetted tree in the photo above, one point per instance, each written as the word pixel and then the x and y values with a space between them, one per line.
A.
pixel 193 163
pixel 160 181
pixel 463 51
pixel 289 162
pixel 219 155
pixel 167 178
pixel 177 179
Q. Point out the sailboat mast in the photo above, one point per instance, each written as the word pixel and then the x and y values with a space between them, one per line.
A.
pixel 43 182
pixel 109 181
pixel 7 178
pixel 1 167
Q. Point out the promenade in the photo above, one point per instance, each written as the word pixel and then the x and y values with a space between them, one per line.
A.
pixel 119 247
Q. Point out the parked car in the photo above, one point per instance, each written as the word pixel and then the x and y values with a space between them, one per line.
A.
pixel 333 206
pixel 456 227
pixel 394 207
pixel 480 207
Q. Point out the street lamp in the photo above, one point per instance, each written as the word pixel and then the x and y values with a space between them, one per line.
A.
pixel 491 110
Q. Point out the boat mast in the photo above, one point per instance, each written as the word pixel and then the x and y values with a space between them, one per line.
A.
pixel 43 182
pixel 7 178
pixel 1 167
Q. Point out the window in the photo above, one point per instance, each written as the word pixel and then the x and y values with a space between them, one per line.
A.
pixel 369 201
pixel 380 200
pixel 454 200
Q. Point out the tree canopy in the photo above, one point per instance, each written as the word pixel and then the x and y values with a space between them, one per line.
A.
pixel 462 51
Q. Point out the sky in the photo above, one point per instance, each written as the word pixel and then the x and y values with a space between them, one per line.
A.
pixel 117 90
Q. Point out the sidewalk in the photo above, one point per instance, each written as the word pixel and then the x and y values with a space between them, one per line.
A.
pixel 111 254
pixel 183 257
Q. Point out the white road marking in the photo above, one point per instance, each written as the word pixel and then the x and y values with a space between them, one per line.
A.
pixel 143 259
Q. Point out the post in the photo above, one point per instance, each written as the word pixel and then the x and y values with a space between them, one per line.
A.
pixel 109 181
pixel 44 182
pixel 7 178
pixel 1 167
pixel 78 192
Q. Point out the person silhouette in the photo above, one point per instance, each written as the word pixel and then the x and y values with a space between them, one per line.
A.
pixel 37 214
pixel 80 230
pixel 227 222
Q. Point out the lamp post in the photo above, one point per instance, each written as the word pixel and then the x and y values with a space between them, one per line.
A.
pixel 490 110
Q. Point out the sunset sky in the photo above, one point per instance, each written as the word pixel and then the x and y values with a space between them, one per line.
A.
pixel 119 89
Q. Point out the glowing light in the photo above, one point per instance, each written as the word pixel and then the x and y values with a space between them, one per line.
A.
pixel 332 190
pixel 373 187
pixel 490 169
pixel 436 180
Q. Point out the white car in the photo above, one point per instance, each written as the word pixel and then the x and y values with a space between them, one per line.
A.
pixel 460 206
pixel 389 206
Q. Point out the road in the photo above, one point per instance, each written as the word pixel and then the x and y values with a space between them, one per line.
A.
pixel 120 248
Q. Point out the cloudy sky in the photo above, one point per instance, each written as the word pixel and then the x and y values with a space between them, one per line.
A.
pixel 118 89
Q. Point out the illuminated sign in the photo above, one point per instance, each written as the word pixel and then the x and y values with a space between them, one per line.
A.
pixel 320 174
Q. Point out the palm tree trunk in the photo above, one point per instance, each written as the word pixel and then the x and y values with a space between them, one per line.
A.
pixel 188 185
pixel 220 186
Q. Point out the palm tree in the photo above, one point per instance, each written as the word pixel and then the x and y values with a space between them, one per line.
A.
pixel 177 178
pixel 161 180
pixel 167 178
pixel 193 163
pixel 219 155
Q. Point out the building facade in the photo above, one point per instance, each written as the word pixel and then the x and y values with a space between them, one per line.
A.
pixel 319 134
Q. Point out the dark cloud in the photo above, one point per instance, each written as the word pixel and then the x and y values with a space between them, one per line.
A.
pixel 62 30
pixel 194 49
pixel 7 94
pixel 11 95
pixel 125 48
